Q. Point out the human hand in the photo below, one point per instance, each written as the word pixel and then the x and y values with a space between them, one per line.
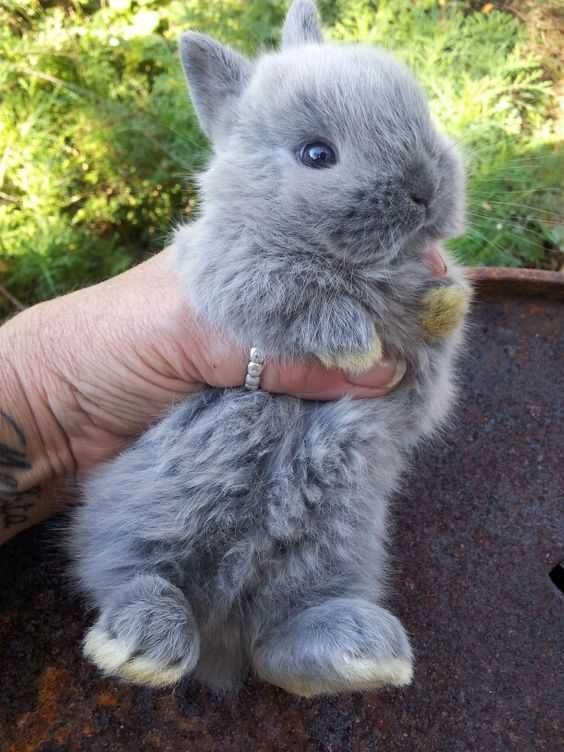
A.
pixel 109 359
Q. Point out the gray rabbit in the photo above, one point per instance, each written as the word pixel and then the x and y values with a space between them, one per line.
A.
pixel 246 531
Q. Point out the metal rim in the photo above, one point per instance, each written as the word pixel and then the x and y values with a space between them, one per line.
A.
pixel 502 282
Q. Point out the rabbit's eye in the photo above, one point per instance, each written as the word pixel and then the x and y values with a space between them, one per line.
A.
pixel 317 154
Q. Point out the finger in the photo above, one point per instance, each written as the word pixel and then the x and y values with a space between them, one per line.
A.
pixel 223 364
pixel 434 260
pixel 310 380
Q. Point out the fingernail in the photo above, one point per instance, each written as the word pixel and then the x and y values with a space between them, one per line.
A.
pixel 386 374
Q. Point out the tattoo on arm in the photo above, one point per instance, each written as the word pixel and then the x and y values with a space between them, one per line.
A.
pixel 15 507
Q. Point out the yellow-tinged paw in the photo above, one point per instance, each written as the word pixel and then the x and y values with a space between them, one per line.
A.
pixel 354 675
pixel 443 310
pixel 354 362
pixel 114 658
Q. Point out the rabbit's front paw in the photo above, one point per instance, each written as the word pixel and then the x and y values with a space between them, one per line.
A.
pixel 444 309
pixel 354 362
pixel 339 332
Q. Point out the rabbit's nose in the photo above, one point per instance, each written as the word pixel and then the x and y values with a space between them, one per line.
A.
pixel 421 183
pixel 421 197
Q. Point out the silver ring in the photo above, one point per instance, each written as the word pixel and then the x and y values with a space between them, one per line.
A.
pixel 255 367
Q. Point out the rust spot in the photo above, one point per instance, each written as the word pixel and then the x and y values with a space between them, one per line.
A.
pixel 88 729
pixel 107 698
pixel 43 722
pixel 535 310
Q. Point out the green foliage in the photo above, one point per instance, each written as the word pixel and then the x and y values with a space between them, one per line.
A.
pixel 98 142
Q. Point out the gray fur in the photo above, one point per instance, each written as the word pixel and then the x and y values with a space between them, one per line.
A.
pixel 154 617
pixel 219 75
pixel 266 514
pixel 301 25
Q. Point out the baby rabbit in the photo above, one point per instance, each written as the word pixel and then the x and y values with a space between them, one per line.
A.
pixel 246 531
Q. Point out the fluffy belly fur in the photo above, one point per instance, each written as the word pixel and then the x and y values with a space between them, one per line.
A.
pixel 235 488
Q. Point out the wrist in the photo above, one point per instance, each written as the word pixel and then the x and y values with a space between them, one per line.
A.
pixel 30 426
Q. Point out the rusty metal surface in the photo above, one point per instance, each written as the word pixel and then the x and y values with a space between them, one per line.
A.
pixel 501 282
pixel 478 528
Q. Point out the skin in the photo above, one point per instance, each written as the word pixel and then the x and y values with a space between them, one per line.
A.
pixel 82 375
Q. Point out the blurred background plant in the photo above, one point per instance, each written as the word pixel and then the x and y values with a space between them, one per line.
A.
pixel 99 145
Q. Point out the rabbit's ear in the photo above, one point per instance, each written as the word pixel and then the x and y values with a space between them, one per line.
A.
pixel 216 77
pixel 302 25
